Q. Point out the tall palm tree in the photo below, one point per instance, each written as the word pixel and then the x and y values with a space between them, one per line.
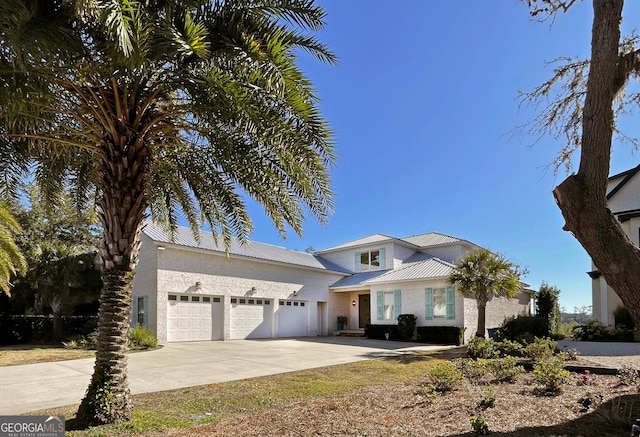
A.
pixel 482 274
pixel 169 106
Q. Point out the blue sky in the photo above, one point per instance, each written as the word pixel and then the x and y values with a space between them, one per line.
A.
pixel 422 104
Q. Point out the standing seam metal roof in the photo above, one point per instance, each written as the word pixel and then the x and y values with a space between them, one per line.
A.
pixel 260 251
pixel 416 269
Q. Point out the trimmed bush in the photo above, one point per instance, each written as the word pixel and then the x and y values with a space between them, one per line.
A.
pixel 377 332
pixel 551 374
pixel 445 376
pixel 450 335
pixel 505 369
pixel 482 348
pixel 515 328
pixel 406 326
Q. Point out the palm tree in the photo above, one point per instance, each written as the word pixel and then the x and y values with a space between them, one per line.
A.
pixel 170 106
pixel 12 261
pixel 482 274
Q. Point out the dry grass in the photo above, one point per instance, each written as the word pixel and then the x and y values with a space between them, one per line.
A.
pixel 13 356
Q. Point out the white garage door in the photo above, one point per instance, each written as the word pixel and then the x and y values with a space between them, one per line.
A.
pixel 251 318
pixel 194 318
pixel 292 318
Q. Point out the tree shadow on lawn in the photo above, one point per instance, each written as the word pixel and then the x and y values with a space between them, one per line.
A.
pixel 409 357
pixel 610 419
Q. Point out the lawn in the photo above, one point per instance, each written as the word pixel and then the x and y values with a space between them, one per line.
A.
pixel 16 355
pixel 391 396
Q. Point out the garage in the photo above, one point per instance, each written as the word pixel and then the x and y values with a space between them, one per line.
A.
pixel 292 318
pixel 194 318
pixel 251 318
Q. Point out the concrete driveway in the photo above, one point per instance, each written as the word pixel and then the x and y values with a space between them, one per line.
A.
pixel 40 386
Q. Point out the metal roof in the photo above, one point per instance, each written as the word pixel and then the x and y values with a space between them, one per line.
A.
pixel 375 238
pixel 358 278
pixel 431 239
pixel 416 268
pixel 266 252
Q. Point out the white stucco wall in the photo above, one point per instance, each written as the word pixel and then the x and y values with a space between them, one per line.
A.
pixel 498 308
pixel 144 284
pixel 448 253
pixel 178 271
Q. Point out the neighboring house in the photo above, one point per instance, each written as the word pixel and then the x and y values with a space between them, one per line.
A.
pixel 623 199
pixel 189 291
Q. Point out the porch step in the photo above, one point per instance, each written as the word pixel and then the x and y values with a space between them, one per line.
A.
pixel 351 332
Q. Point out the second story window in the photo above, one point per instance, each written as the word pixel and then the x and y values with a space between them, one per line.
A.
pixel 370 260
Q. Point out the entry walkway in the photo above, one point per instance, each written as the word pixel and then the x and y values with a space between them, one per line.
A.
pixel 40 386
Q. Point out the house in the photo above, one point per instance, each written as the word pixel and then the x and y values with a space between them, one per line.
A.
pixel 623 199
pixel 186 290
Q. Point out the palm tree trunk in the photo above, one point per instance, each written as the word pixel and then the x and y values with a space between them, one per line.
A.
pixel 124 166
pixel 482 310
pixel 108 398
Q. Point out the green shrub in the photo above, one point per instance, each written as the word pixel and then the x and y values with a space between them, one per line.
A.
pixel 623 318
pixel 513 328
pixel 482 348
pixel 540 349
pixel 509 348
pixel 406 326
pixel 488 399
pixel 505 369
pixel 378 332
pixel 88 342
pixel 142 338
pixel 596 331
pixel 550 373
pixel 441 334
pixel 473 370
pixel 479 425
pixel 445 376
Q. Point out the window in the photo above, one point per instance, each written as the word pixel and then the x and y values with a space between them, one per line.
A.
pixel 370 260
pixel 234 300
pixel 173 297
pixel 206 299
pixel 184 298
pixel 389 304
pixel 140 311
pixel 439 303
pixel 195 299
pixel 216 299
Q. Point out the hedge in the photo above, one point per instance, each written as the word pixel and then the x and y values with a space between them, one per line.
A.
pixel 452 335
pixel 514 328
pixel 25 329
pixel 378 332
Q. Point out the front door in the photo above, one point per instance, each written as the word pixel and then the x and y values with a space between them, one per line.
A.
pixel 364 310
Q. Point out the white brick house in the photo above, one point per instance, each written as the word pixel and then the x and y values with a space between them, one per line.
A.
pixel 187 291
pixel 623 199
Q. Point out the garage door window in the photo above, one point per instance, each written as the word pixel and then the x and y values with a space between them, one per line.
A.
pixel 184 298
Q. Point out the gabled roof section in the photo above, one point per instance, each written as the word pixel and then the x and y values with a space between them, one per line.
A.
pixel 259 251
pixel 621 179
pixel 372 239
pixel 432 239
pixel 418 267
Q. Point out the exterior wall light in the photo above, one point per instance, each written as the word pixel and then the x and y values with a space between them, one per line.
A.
pixel 353 303
pixel 198 285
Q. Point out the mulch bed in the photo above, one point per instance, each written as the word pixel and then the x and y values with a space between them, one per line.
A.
pixel 601 407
